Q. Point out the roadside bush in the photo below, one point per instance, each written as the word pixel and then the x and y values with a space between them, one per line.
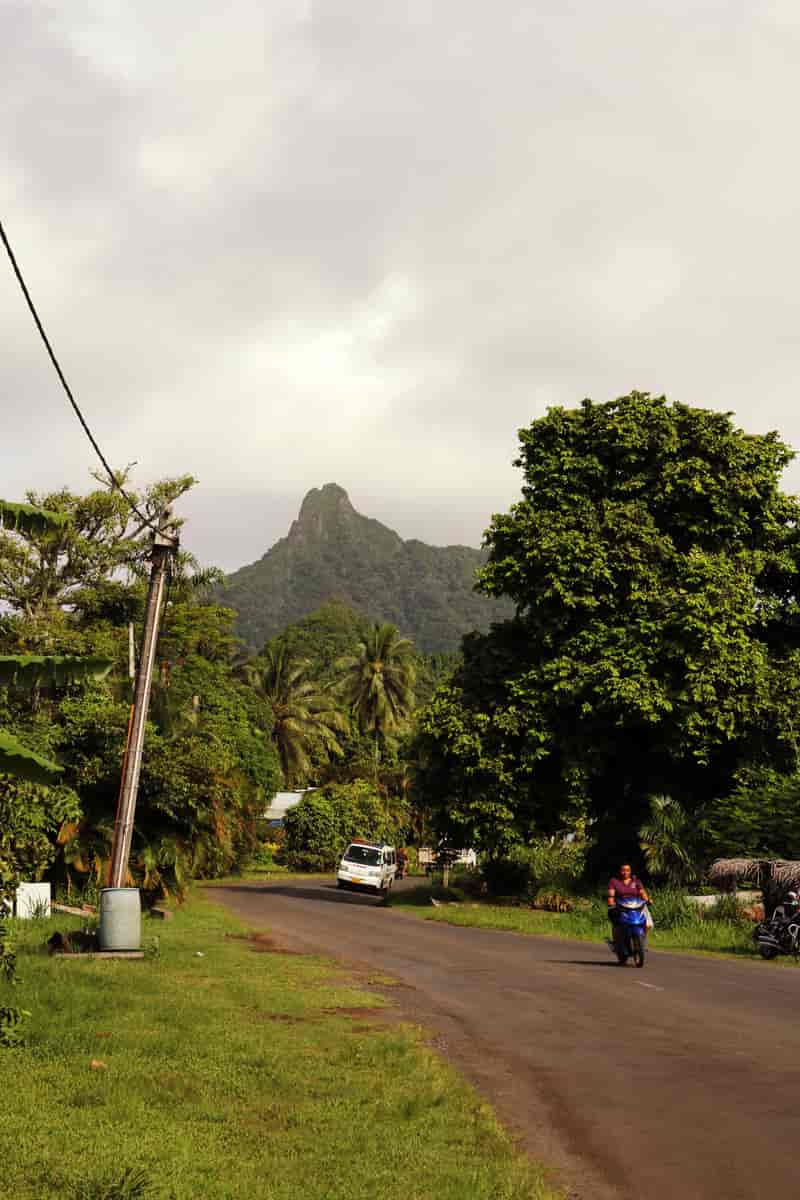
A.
pixel 317 830
pixel 728 909
pixel 554 866
pixel 469 880
pixel 551 901
pixel 263 858
pixel 510 875
pixel 672 910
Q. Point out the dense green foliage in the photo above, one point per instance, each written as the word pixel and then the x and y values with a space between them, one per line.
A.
pixel 322 643
pixel 377 685
pixel 332 552
pixel 209 764
pixel 652 560
pixel 306 723
pixel 760 818
pixel 319 828
pixel 671 841
pixel 642 696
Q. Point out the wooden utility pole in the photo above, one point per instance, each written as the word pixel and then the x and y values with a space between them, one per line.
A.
pixel 165 544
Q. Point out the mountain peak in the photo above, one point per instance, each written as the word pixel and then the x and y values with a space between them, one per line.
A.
pixel 330 500
pixel 333 551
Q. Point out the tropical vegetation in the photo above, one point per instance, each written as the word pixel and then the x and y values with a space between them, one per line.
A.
pixel 638 699
pixel 306 721
pixel 377 684
pixel 652 560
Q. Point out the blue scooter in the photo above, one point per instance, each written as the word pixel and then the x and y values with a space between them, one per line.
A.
pixel 631 932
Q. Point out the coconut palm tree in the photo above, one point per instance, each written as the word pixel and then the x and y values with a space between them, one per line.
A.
pixel 667 840
pixel 305 717
pixel 377 684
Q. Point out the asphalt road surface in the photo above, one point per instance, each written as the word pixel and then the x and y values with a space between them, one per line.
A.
pixel 677 1082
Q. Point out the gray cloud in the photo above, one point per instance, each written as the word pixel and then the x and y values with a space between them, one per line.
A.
pixel 278 245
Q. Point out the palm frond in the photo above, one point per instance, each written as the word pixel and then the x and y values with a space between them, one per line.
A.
pixel 21 763
pixel 30 520
pixel 56 670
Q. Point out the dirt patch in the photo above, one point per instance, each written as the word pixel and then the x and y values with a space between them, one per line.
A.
pixel 263 943
pixel 380 1016
pixel 284 1018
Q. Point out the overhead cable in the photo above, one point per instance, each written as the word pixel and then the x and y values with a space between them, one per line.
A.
pixel 112 477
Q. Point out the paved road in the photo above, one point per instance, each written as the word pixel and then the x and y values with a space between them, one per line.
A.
pixel 679 1082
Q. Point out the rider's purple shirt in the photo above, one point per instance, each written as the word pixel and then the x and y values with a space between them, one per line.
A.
pixel 625 890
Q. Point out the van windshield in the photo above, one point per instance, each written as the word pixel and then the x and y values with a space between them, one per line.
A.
pixel 367 855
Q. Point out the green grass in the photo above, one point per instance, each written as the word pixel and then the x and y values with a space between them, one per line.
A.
pixel 236 1074
pixel 688 932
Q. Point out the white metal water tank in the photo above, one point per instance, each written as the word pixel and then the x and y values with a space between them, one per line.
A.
pixel 120 919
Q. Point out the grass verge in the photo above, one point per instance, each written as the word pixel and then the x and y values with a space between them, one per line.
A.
pixel 691 933
pixel 238 1074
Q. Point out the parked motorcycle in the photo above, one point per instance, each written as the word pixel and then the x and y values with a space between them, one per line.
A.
pixel 781 934
pixel 631 939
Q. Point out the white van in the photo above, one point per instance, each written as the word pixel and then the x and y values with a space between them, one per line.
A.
pixel 367 864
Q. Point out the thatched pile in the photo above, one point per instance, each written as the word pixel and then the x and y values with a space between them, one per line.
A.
pixel 775 877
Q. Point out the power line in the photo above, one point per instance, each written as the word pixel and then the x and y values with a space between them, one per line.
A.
pixel 114 481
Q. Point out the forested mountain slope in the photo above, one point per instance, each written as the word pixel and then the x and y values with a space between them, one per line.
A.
pixel 333 552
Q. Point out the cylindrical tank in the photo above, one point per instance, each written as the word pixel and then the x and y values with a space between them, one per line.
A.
pixel 120 919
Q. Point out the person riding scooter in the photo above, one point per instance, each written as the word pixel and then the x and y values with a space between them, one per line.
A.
pixel 624 886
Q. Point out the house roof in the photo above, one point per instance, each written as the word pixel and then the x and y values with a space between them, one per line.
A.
pixel 281 803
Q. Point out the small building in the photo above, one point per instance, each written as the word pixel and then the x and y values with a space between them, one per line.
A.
pixel 428 857
pixel 280 804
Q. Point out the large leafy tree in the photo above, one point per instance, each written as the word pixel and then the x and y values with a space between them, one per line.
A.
pixel 17 760
pixel 306 720
pixel 652 560
pixel 209 764
pixel 377 683
pixel 46 564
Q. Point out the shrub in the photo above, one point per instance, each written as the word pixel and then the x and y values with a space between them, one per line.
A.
pixel 672 910
pixel 551 901
pixel 510 875
pixel 8 954
pixel 12 1022
pixel 318 829
pixel 728 909
pixel 553 865
pixel 132 1184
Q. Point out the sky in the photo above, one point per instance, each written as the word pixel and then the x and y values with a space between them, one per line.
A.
pixel 278 245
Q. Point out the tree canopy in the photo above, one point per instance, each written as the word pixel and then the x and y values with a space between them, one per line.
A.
pixel 71 580
pixel 652 559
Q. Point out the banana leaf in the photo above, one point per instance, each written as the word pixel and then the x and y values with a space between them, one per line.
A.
pixel 22 763
pixel 31 670
pixel 25 518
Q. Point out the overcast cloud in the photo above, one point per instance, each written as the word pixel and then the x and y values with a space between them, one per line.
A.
pixel 286 243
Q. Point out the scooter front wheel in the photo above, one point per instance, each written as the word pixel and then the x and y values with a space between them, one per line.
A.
pixel 637 949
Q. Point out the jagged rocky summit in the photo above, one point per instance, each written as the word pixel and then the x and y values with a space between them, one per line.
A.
pixel 333 552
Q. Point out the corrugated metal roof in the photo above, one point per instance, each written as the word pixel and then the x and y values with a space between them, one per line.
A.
pixel 281 803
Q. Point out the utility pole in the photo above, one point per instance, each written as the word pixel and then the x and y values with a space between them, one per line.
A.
pixel 165 544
